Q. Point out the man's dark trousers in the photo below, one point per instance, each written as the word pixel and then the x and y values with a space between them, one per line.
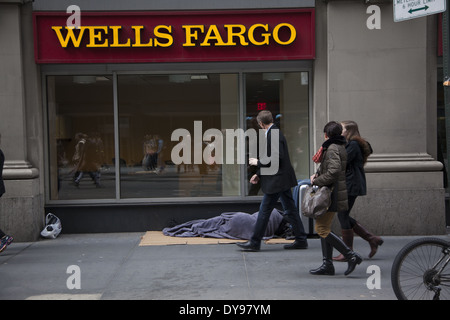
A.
pixel 268 203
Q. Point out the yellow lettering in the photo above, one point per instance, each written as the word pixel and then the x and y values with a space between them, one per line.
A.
pixel 277 39
pixel 236 34
pixel 115 42
pixel 192 34
pixel 239 34
pixel 70 37
pixel 216 36
pixel 96 33
pixel 137 38
pixel 266 36
pixel 163 35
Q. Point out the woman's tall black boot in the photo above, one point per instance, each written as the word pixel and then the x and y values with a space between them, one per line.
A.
pixel 352 257
pixel 327 267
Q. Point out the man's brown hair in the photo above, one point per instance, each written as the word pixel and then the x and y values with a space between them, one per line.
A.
pixel 265 117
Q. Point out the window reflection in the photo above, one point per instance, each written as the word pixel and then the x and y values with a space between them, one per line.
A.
pixel 151 108
pixel 81 137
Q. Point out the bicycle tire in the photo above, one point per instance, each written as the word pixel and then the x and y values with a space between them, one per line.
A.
pixel 413 265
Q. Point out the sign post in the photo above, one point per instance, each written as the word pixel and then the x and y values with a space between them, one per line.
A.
pixel 410 9
pixel 446 67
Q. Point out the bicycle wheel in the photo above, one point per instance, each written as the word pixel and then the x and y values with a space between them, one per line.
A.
pixel 415 271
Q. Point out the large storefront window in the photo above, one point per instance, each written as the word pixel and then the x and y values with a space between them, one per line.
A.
pixel 151 108
pixel 113 137
pixel 81 137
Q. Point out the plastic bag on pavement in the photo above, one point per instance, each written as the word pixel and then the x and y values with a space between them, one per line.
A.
pixel 52 227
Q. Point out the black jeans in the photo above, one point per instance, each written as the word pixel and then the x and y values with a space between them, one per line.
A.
pixel 345 220
pixel 291 215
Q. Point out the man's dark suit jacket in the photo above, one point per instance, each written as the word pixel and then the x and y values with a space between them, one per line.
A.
pixel 284 178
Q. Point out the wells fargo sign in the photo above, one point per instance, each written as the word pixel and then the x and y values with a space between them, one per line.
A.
pixel 125 37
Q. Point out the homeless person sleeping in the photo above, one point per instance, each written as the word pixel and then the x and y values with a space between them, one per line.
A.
pixel 230 225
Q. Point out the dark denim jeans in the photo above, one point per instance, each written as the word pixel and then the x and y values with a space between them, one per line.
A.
pixel 291 215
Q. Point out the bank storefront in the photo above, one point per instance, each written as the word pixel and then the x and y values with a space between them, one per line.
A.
pixel 117 89
pixel 101 100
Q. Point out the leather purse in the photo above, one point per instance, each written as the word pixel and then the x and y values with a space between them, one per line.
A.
pixel 316 201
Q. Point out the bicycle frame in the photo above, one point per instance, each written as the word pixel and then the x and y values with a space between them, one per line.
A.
pixel 437 278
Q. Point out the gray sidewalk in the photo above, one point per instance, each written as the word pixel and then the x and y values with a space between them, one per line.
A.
pixel 114 266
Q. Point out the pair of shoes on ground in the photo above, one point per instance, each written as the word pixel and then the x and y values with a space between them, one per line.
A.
pixel 5 241
pixel 250 246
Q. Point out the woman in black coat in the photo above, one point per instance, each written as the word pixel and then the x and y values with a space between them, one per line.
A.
pixel 358 150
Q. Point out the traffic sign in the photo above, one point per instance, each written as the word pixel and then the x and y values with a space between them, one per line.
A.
pixel 410 9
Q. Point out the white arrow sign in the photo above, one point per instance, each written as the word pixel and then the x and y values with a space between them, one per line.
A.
pixel 410 9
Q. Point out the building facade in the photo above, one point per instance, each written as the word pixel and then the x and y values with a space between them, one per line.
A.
pixel 128 116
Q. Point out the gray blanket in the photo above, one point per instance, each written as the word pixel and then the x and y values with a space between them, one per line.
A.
pixel 229 225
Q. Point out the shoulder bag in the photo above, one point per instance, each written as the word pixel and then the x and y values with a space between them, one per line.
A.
pixel 316 201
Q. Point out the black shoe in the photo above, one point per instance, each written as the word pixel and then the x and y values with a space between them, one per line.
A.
pixel 249 246
pixel 354 260
pixel 297 244
pixel 326 269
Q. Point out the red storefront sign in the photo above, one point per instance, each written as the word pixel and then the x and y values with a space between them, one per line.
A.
pixel 127 37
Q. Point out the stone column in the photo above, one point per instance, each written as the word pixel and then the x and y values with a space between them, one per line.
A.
pixel 21 206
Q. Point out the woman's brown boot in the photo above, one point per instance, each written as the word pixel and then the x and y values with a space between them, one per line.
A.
pixel 347 237
pixel 374 241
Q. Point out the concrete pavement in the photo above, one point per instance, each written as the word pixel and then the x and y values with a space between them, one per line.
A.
pixel 114 266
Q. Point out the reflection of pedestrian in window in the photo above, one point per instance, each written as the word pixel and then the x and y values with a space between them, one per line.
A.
pixel 150 153
pixel 159 154
pixel 88 162
pixel 80 139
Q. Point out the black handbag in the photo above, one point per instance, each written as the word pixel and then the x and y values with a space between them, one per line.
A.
pixel 316 201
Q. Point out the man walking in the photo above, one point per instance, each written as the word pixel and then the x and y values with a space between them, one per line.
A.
pixel 275 185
